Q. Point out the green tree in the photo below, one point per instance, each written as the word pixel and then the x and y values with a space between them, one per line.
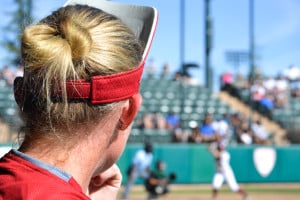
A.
pixel 18 19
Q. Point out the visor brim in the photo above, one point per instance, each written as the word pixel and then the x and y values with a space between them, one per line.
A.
pixel 142 20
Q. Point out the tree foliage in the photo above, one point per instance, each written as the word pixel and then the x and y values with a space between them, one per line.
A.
pixel 19 17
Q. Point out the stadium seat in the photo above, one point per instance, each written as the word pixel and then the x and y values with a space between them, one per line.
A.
pixel 164 96
pixel 152 135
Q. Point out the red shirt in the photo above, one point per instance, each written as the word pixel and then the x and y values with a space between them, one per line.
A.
pixel 22 179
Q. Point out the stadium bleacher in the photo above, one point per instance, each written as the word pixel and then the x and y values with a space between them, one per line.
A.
pixel 9 118
pixel 288 116
pixel 190 102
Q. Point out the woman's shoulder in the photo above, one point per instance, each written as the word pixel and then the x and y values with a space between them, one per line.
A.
pixel 20 179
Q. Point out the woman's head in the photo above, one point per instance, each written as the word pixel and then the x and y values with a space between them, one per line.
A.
pixel 75 42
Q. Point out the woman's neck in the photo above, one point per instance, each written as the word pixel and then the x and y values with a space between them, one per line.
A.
pixel 80 159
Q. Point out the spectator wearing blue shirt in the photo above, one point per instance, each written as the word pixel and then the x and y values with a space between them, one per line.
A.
pixel 173 123
pixel 207 133
pixel 267 105
pixel 172 120
pixel 267 102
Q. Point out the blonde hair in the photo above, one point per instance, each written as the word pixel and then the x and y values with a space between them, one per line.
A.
pixel 74 42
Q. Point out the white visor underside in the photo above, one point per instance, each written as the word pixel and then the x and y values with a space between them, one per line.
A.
pixel 142 20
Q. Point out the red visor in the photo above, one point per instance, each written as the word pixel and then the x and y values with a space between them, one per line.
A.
pixel 106 89
pixel 142 20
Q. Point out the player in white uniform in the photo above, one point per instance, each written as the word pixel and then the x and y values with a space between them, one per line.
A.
pixel 140 168
pixel 224 172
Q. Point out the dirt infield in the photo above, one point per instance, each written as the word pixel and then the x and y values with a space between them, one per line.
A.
pixel 202 192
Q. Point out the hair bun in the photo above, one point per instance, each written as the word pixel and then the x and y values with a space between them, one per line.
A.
pixel 78 38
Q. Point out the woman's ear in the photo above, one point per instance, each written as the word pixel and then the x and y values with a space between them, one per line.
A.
pixel 130 110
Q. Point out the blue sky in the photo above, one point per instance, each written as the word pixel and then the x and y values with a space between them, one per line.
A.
pixel 277 33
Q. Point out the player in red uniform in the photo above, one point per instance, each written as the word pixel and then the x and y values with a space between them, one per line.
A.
pixel 78 98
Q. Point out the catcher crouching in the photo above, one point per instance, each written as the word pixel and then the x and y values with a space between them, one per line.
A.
pixel 158 182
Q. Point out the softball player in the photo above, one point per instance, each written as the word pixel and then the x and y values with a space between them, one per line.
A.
pixel 224 172
pixel 140 168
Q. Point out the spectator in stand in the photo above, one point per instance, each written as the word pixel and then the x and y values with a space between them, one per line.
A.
pixel 158 121
pixel 144 122
pixel 240 82
pixel 234 123
pixel 227 78
pixel 258 91
pixel 172 120
pixel 152 120
pixel 244 133
pixel 177 77
pixel 296 92
pixel 282 92
pixel 150 69
pixel 207 133
pixel 269 84
pixel 165 73
pixel 226 82
pixel 221 127
pixel 173 123
pixel 194 136
pixel 292 73
pixel 260 135
pixel 19 71
pixel 257 75
pixel 187 79
pixel 267 105
pixel 8 75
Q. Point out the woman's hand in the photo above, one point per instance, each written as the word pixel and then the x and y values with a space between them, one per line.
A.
pixel 106 185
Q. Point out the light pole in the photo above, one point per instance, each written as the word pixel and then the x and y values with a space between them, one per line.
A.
pixel 251 41
pixel 182 33
pixel 208 45
pixel 182 53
